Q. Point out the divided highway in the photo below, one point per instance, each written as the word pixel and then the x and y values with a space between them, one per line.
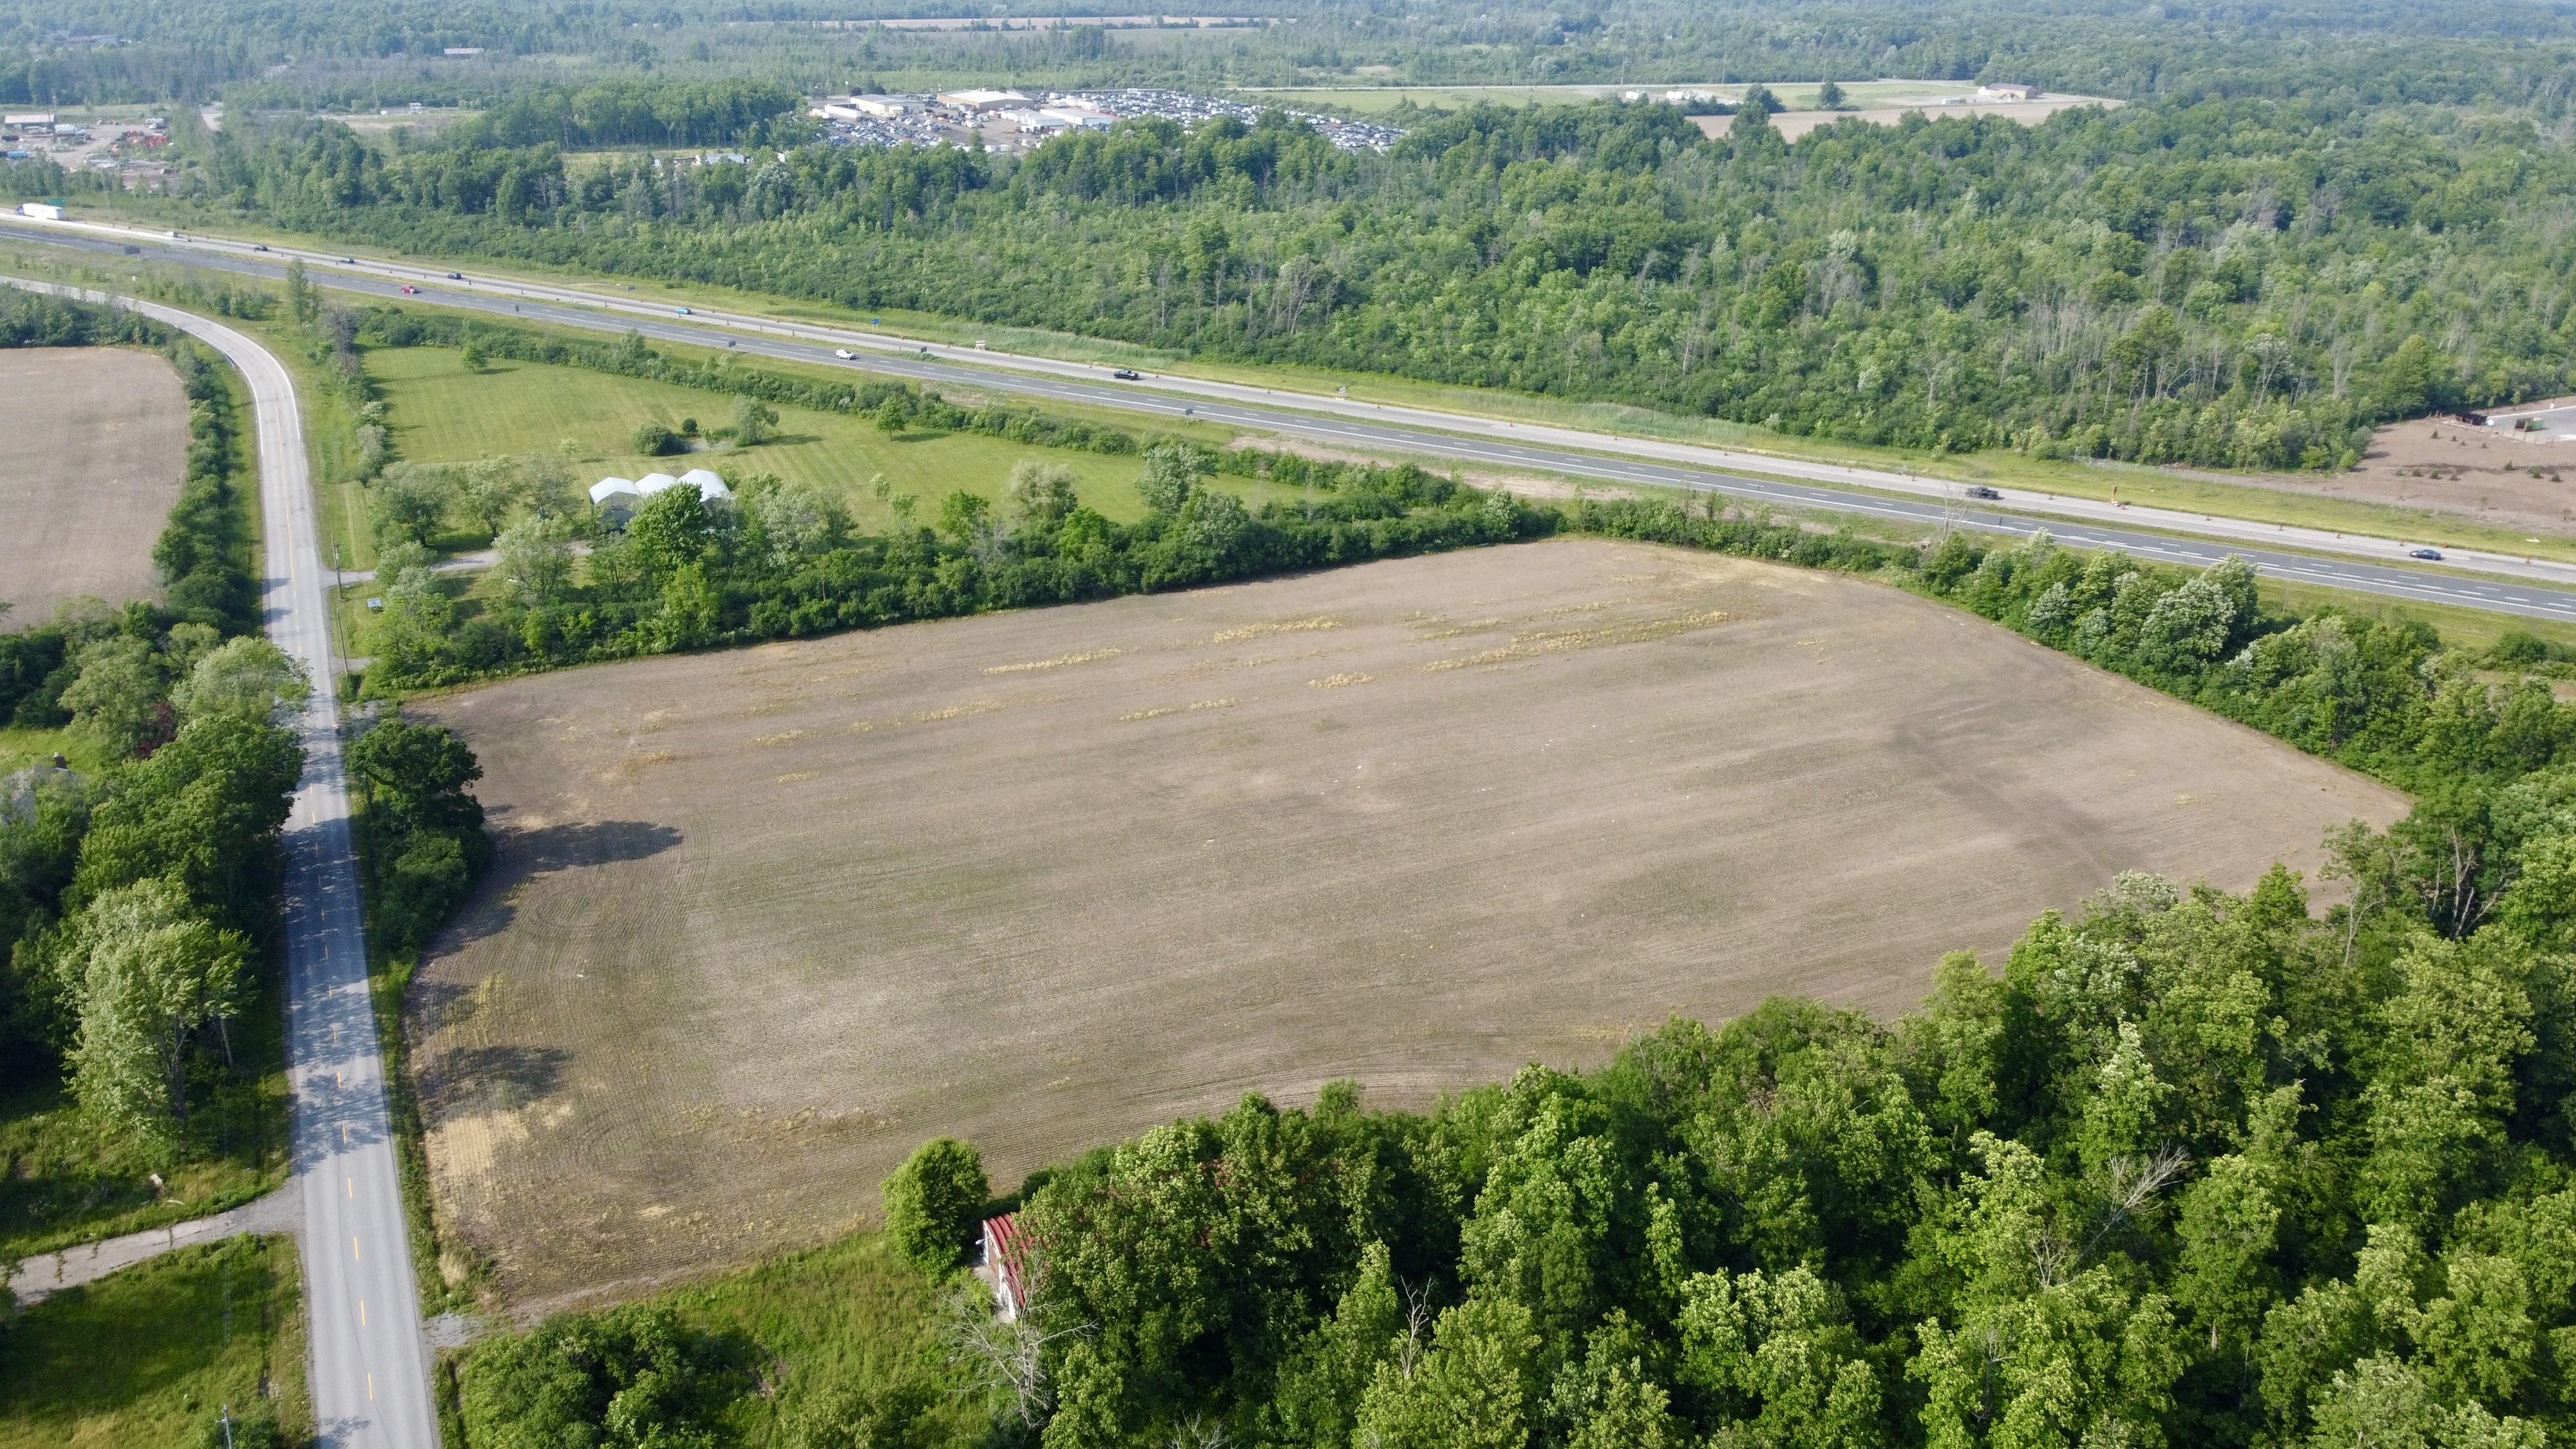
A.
pixel 370 1380
pixel 2540 590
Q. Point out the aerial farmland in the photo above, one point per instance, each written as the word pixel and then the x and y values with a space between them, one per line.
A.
pixel 762 921
pixel 99 437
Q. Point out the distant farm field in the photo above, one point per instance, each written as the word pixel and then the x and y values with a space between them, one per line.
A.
pixel 764 920
pixel 100 435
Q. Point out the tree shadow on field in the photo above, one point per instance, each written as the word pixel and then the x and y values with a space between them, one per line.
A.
pixel 493 1077
pixel 521 856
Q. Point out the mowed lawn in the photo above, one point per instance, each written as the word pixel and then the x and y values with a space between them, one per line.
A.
pixel 763 920
pixel 440 413
pixel 151 1355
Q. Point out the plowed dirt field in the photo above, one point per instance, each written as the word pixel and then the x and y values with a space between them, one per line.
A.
pixel 98 445
pixel 764 920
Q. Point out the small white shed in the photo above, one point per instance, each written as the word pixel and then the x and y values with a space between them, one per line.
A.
pixel 652 483
pixel 710 487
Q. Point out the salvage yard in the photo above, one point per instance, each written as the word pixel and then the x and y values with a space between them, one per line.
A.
pixel 763 920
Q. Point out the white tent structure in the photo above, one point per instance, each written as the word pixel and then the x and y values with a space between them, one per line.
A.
pixel 615 497
pixel 710 487
pixel 652 483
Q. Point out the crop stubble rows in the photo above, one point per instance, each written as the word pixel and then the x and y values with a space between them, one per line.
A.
pixel 98 441
pixel 764 920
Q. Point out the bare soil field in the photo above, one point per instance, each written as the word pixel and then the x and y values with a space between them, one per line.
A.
pixel 1793 124
pixel 101 439
pixel 764 920
pixel 2511 479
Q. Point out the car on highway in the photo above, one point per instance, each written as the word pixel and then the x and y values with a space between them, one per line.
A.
pixel 348 261
pixel 679 311
pixel 259 246
pixel 1982 491
pixel 2429 555
pixel 456 276
pixel 845 354
pixel 1125 374
pixel 411 291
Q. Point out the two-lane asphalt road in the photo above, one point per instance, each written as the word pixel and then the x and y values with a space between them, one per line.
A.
pixel 2539 590
pixel 370 1380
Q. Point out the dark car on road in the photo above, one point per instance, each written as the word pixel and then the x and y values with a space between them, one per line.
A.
pixel 1982 491
pixel 2429 555
pixel 1125 374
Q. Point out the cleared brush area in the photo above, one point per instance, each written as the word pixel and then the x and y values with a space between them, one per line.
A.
pixel 764 920
pixel 98 446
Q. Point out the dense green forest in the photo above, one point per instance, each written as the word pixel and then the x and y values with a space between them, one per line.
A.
pixel 2195 1168
pixel 2238 283
pixel 338 52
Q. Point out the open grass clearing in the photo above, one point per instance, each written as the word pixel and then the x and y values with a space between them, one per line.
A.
pixel 100 438
pixel 150 1355
pixel 843 1322
pixel 762 920
pixel 441 413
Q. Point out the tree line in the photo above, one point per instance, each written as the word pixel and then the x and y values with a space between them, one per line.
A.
pixel 782 560
pixel 133 904
pixel 2232 282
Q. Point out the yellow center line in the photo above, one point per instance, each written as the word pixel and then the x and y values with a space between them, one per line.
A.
pixel 353 1185
pixel 371 1388
pixel 362 1313
pixel 353 1250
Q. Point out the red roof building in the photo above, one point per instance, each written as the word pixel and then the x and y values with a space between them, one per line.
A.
pixel 1005 1265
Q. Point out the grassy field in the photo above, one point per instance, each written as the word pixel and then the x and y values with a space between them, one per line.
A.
pixel 20 748
pixel 847 1321
pixel 441 413
pixel 762 920
pixel 101 435
pixel 150 1355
